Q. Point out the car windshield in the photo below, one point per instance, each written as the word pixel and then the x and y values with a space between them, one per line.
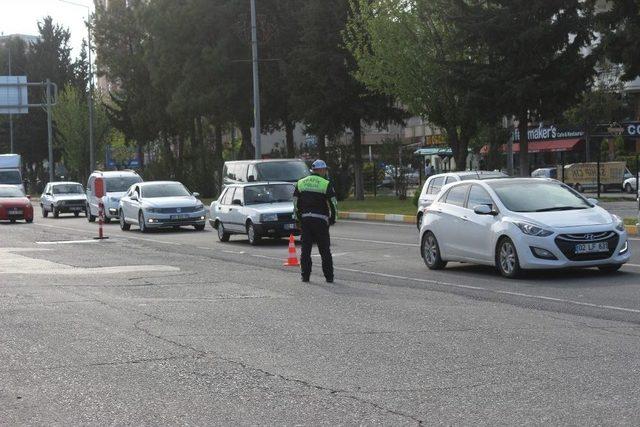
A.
pixel 537 196
pixel 10 177
pixel 282 171
pixel 67 189
pixel 120 184
pixel 164 190
pixel 270 193
pixel 11 192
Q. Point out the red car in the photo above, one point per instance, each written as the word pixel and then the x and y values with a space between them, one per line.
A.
pixel 14 204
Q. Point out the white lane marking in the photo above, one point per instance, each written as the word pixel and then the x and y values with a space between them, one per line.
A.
pixel 67 242
pixel 454 285
pixel 633 238
pixel 632 265
pixel 119 236
pixel 337 254
pixel 13 263
pixel 381 242
pixel 203 248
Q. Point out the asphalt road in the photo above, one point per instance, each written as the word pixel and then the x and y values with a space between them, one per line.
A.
pixel 174 327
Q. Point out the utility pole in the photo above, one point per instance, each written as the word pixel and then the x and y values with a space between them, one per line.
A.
pixel 256 82
pixel 50 133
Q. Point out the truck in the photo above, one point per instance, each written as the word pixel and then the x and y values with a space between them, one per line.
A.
pixel 11 170
pixel 584 176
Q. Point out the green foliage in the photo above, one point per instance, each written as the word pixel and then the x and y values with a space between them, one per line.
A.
pixel 71 116
pixel 620 26
pixel 416 197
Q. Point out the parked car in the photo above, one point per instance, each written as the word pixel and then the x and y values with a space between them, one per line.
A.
pixel 116 185
pixel 630 184
pixel 257 210
pixel 14 204
pixel 160 204
pixel 545 173
pixel 434 183
pixel 516 224
pixel 63 197
pixel 271 170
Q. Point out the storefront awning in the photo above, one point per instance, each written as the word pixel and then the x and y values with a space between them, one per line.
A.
pixel 555 145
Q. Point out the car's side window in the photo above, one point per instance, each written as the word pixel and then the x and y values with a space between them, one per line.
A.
pixel 457 195
pixel 479 196
pixel 450 179
pixel 90 184
pixel 239 195
pixel 228 197
pixel 436 185
pixel 241 173
pixel 224 193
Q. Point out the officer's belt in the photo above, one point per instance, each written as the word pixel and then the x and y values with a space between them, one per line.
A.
pixel 315 215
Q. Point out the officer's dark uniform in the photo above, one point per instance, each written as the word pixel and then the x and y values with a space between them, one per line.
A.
pixel 316 207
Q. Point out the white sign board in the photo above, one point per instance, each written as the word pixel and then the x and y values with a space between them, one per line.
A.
pixel 13 95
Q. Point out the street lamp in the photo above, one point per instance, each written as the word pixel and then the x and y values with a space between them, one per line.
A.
pixel 256 81
pixel 92 161
pixel 8 47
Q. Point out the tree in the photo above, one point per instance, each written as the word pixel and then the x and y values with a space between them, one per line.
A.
pixel 416 51
pixel 536 52
pixel 72 136
pixel 327 94
pixel 620 26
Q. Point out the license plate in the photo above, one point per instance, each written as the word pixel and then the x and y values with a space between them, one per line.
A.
pixel 179 216
pixel 76 208
pixel 15 211
pixel 289 226
pixel 589 248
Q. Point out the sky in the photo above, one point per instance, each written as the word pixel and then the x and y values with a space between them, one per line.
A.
pixel 22 16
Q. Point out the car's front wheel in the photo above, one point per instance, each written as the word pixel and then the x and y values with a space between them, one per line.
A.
pixel 124 226
pixel 252 235
pixel 507 260
pixel 628 188
pixel 45 212
pixel 431 252
pixel 199 227
pixel 223 236
pixel 419 220
pixel 56 213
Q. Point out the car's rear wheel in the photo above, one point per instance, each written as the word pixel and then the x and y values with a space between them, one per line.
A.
pixel 29 221
pixel 610 268
pixel 124 226
pixel 252 235
pixel 431 252
pixel 107 220
pixel 223 236
pixel 45 212
pixel 76 214
pixel 141 223
pixel 507 260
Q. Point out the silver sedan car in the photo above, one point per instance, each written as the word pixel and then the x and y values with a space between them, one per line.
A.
pixel 160 204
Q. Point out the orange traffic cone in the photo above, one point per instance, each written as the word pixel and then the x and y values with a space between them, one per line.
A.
pixel 292 261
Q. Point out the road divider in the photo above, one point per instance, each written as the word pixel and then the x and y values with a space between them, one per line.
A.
pixel 367 216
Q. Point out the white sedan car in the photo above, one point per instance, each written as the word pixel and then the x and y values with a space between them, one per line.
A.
pixel 257 210
pixel 516 224
pixel 629 184
pixel 160 204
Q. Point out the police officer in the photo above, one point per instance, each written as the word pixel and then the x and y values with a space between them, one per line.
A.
pixel 316 207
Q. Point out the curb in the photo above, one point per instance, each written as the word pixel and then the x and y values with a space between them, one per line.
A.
pixel 406 219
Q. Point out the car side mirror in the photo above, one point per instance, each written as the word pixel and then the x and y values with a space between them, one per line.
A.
pixel 251 178
pixel 237 202
pixel 195 194
pixel 592 201
pixel 484 210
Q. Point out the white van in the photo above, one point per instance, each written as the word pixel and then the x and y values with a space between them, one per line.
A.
pixel 116 185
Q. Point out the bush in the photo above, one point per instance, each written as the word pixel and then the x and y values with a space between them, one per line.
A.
pixel 416 196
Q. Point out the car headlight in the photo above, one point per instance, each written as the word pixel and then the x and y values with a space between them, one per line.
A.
pixel 268 217
pixel 152 210
pixel 199 207
pixel 533 230
pixel 618 222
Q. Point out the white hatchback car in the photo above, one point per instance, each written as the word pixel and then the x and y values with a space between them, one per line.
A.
pixel 521 223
